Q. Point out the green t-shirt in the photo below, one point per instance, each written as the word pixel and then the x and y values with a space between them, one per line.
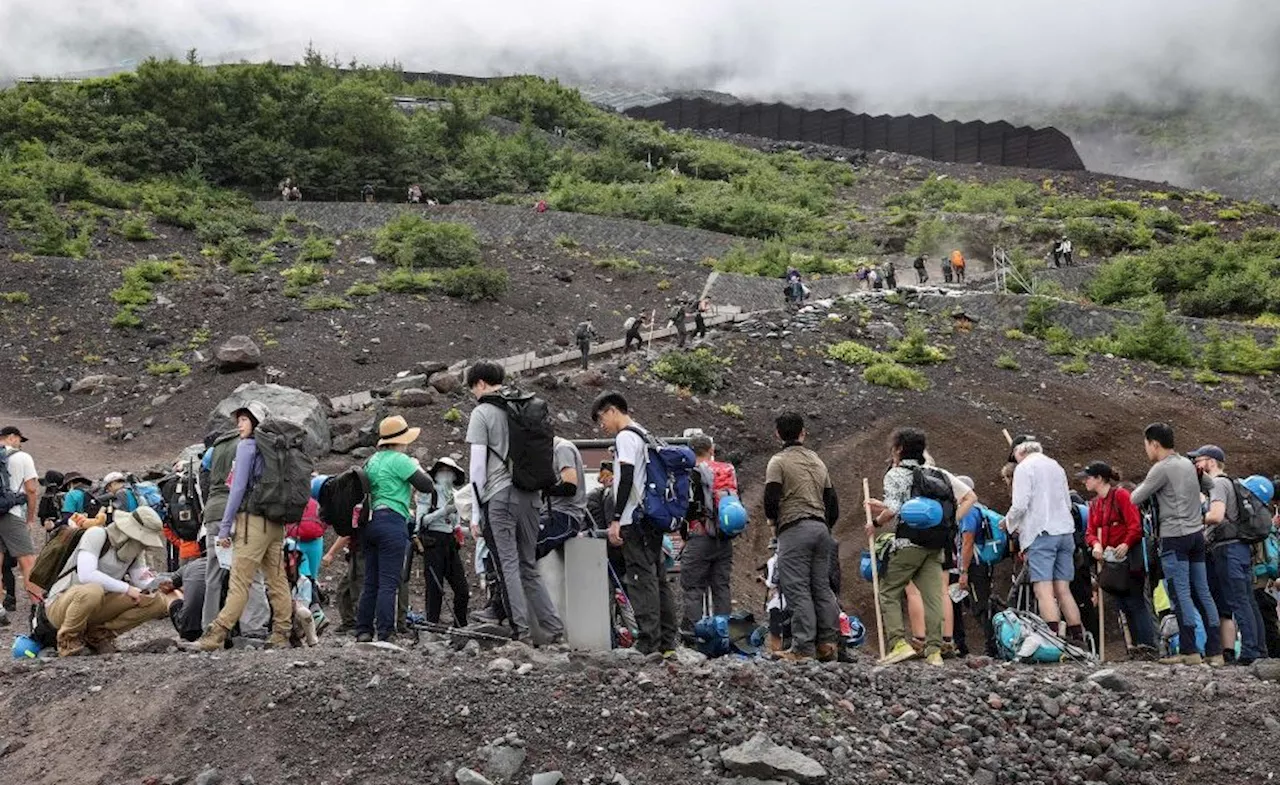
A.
pixel 389 472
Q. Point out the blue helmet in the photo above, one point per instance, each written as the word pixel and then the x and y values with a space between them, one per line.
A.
pixel 25 647
pixel 857 633
pixel 921 513
pixel 1260 486
pixel 733 516
pixel 317 483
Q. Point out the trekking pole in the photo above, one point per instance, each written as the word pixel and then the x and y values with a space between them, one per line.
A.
pixel 1007 437
pixel 1102 627
pixel 875 570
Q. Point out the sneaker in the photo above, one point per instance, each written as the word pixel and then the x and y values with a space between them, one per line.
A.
pixel 364 637
pixel 11 603
pixel 901 652
pixel 934 659
pixel 1142 653
pixel 791 655
pixel 1216 661
pixel 484 616
pixel 828 652
pixel 345 628
pixel 4 618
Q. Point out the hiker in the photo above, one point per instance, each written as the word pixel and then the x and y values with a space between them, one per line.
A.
pixel 583 336
pixel 600 508
pixel 258 546
pixel 367 193
pixel 645 577
pixel 890 276
pixel 217 462
pixel 77 498
pixel 1066 249
pixel 918 553
pixel 873 279
pixel 19 469
pixel 308 535
pixel 706 563
pixel 801 503
pixel 974 577
pixel 565 511
pixel 1041 518
pixel 957 264
pixel 505 515
pixel 1056 252
pixel 794 289
pixel 1229 564
pixel 922 273
pixel 699 318
pixel 1173 484
pixel 285 189
pixel 1115 538
pixel 351 583
pixel 676 318
pixel 440 536
pixel 633 326
pixel 105 588
pixel 541 206
pixel 947 271
pixel 415 194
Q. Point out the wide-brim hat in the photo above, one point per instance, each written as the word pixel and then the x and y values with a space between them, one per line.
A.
pixel 394 430
pixel 143 525
pixel 257 412
pixel 71 478
pixel 52 479
pixel 113 477
pixel 459 479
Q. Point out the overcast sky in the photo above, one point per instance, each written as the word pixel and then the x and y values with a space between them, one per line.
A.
pixel 889 52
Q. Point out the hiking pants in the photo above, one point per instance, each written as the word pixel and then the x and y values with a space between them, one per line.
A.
pixel 1137 614
pixel 680 333
pixel 923 567
pixel 804 577
pixel 349 589
pixel 1230 569
pixel 442 560
pixel 88 613
pixel 1182 559
pixel 585 348
pixel 922 275
pixel 382 544
pixel 959 275
pixel 706 563
pixel 512 519
pixel 633 335
pixel 699 326
pixel 257 612
pixel 981 581
pixel 1270 621
pixel 8 564
pixel 648 588
pixel 187 620
pixel 259 545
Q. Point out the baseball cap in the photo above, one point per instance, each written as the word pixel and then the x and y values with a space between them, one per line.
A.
pixel 1013 445
pixel 1097 469
pixel 1209 451
pixel 10 430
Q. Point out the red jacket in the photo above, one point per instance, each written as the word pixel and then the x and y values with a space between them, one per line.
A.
pixel 1114 521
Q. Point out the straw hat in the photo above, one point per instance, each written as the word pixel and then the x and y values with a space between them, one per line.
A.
pixel 394 430
pixel 143 525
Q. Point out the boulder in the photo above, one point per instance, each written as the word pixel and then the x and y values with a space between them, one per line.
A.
pixel 412 398
pixel 238 353
pixel 446 383
pixel 408 382
pixel 469 777
pixel 284 403
pixel 1110 679
pixel 1267 670
pixel 429 368
pixel 758 757
pixel 884 331
pixel 501 761
pixel 90 385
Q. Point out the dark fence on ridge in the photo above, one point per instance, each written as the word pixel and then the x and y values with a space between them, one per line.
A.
pixel 995 144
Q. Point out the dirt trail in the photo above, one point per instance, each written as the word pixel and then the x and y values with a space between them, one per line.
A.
pixel 61 447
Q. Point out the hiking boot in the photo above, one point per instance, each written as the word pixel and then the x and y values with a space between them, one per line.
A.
pixel 1142 653
pixel 10 603
pixel 345 628
pixel 213 639
pixel 934 659
pixel 1216 661
pixel 901 652
pixel 948 649
pixel 279 641
pixel 485 616
pixel 71 644
pixel 791 655
pixel 828 652
pixel 917 644
pixel 773 644
pixel 101 641
pixel 1182 659
pixel 364 637
pixel 4 618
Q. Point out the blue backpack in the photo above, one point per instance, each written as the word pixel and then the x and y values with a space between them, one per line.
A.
pixel 1266 557
pixel 992 544
pixel 664 503
pixel 147 494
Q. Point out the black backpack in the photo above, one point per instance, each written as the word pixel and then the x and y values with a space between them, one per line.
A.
pixel 930 483
pixel 530 439
pixel 50 507
pixel 340 495
pixel 186 509
pixel 8 499
pixel 281 493
pixel 1253 518
pixel 583 333
pixel 702 500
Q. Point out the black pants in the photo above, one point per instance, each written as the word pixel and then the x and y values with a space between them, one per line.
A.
pixel 442 565
pixel 634 335
pixel 922 276
pixel 1082 593
pixel 648 588
pixel 1270 624
pixel 585 348
pixel 699 327
pixel 10 585
pixel 980 586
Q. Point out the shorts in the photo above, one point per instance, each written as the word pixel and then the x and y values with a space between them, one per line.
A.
pixel 1051 557
pixel 15 536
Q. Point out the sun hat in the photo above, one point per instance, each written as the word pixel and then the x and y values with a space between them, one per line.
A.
pixel 256 411
pixel 394 430
pixel 113 477
pixel 459 479
pixel 143 525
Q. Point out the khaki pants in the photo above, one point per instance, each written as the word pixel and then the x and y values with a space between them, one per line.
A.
pixel 259 544
pixel 923 567
pixel 89 613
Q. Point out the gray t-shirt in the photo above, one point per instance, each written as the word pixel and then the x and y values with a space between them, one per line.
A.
pixel 488 427
pixel 1222 490
pixel 568 457
pixel 1176 489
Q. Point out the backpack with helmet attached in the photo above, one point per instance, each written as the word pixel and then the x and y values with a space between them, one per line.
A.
pixel 530 439
pixel 186 508
pixel 281 492
pixel 1253 516
pixel 934 528
pixel 667 490
pixel 8 498
pixel 339 498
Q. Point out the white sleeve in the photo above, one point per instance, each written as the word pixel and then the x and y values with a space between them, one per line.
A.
pixel 87 572
pixel 479 476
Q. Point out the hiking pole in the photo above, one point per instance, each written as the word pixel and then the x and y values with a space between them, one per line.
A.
pixel 1007 437
pixel 1102 627
pixel 875 570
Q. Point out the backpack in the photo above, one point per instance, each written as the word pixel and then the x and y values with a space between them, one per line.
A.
pixel 8 498
pixel 186 509
pixel 930 483
pixel 1080 517
pixel 310 528
pixel 993 545
pixel 147 494
pixel 1266 557
pixel 667 490
pixel 583 332
pixel 1022 636
pixel 50 507
pixel 281 492
pixel 702 500
pixel 553 532
pixel 530 439
pixel 340 495
pixel 53 558
pixel 629 323
pixel 1253 518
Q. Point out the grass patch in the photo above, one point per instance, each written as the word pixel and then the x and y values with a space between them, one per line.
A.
pixel 617 264
pixel 474 284
pixel 168 368
pixel 700 370
pixel 300 276
pixel 915 349
pixel 15 298
pixel 1206 377
pixel 362 289
pixel 325 302
pixel 1008 363
pixel 565 241
pixel 1230 214
pixel 891 374
pixel 1078 365
pixel 1015 334
pixel 732 410
pixel 453 416
pixel 134 229
pixel 854 353
pixel 317 249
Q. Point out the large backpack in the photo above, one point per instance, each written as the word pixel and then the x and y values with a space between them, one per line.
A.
pixel 186 509
pixel 1266 557
pixel 930 483
pixel 8 498
pixel 992 546
pixel 702 500
pixel 530 439
pixel 147 494
pixel 1253 517
pixel 281 492
pixel 667 490
pixel 582 333
pixel 53 557
pixel 341 495
pixel 1022 636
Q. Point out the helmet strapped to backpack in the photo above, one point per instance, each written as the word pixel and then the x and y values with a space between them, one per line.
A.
pixel 928 483
pixel 1253 518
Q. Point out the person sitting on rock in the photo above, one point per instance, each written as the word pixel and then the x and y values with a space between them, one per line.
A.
pixel 106 589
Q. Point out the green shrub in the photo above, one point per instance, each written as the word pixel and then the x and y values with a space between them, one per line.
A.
pixel 1207 377
pixel 1227 405
pixel 15 298
pixel 1200 230
pixel 1039 317
pixel 168 368
pixel 854 353
pixel 1231 214
pixel 139 280
pixel 134 228
pixel 474 284
pixel 617 264
pixel 325 302
pixel 406 282
pixel 453 416
pixel 243 265
pixel 565 241
pixel 772 259
pixel 269 257
pixel 125 318
pixel 1238 354
pixel 1077 366
pixel 1015 334
pixel 700 370
pixel 1007 362
pixel 300 276
pixel 410 240
pixel 914 348
pixel 1059 341
pixel 1157 338
pixel 317 249
pixel 362 289
pixel 891 374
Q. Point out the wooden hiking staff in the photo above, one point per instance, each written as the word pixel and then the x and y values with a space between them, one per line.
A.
pixel 1102 627
pixel 875 569
pixel 1008 439
pixel 653 324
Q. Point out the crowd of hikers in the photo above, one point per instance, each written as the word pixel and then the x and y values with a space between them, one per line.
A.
pixel 231 544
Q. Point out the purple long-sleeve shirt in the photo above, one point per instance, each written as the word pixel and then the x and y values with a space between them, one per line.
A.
pixel 245 469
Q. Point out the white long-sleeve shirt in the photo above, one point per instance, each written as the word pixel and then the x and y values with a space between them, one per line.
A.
pixel 1041 500
pixel 106 570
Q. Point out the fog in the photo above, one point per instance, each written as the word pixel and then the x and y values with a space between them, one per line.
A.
pixel 883 55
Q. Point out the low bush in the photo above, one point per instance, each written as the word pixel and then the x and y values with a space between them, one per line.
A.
pixel 1200 230
pixel 325 302
pixel 406 282
pixel 317 249
pixel 134 228
pixel 410 240
pixel 617 264
pixel 774 258
pixel 1206 377
pixel 854 353
pixel 1015 334
pixel 1157 338
pixel 453 416
pixel 362 289
pixel 732 410
pixel 1077 366
pixel 474 284
pixel 1008 363
pixel 915 349
pixel 891 374
pixel 701 370
pixel 300 276
pixel 15 298
pixel 1059 341
pixel 168 368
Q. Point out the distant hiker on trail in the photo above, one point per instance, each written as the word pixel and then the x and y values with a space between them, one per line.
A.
pixel 947 270
pixel 794 291
pixel 801 503
pixel 295 194
pixel 1172 482
pixel 633 326
pixel 873 279
pixel 415 194
pixel 367 193
pixel 645 579
pixel 1041 518
pixel 583 335
pixel 957 264
pixel 1066 251
pixel 699 318
pixel 677 318
pixel 706 563
pixel 21 505
pixel 541 206
pixel 922 274
pixel 890 276
pixel 440 534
